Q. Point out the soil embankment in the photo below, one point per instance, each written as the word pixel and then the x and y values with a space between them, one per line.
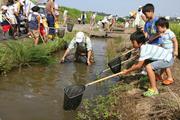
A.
pixel 125 100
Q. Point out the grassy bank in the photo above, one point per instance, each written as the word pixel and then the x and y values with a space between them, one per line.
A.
pixel 124 102
pixel 175 27
pixel 15 54
pixel 75 14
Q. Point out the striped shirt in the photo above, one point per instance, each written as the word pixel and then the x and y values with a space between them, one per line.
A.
pixel 153 52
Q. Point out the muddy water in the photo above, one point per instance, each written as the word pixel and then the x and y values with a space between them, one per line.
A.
pixel 37 93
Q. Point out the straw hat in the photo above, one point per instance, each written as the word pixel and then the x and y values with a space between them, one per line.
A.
pixel 132 13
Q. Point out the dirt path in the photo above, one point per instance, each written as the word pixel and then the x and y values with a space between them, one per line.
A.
pixel 164 106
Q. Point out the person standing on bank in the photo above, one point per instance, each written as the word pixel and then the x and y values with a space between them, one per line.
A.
pixel 83 46
pixel 51 18
pixel 34 24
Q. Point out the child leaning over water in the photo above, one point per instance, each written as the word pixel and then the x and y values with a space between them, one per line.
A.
pixel 161 58
pixel 169 42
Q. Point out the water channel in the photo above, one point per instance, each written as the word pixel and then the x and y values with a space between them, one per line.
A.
pixel 37 93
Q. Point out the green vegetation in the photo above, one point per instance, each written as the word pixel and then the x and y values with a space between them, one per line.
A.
pixel 20 53
pixel 104 107
pixel 175 27
pixel 74 14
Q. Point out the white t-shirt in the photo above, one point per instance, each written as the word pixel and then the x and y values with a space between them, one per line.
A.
pixel 10 12
pixel 87 41
pixel 167 40
pixel 154 52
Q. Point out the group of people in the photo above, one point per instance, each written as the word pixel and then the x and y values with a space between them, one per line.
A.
pixel 107 23
pixel 38 25
pixel 158 47
pixel 157 44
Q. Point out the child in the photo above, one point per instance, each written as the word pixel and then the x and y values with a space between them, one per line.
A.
pixel 5 21
pixel 150 29
pixel 161 58
pixel 169 42
pixel 34 24
pixel 44 28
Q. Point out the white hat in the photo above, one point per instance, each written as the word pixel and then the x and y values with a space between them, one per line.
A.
pixel 79 37
pixel 4 7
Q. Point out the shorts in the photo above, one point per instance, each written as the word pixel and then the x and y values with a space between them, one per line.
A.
pixel 51 23
pixel 35 33
pixel 160 64
pixel 6 28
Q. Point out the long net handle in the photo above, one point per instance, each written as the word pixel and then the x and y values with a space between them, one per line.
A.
pixel 105 78
pixel 119 64
pixel 128 51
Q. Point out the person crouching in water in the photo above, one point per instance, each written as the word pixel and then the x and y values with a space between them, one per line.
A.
pixel 34 24
pixel 160 58
pixel 83 46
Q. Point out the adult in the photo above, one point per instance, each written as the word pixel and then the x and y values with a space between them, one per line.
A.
pixel 56 12
pixel 18 12
pixel 50 10
pixel 140 19
pixel 12 17
pixel 83 46
pixel 83 17
pixel 92 21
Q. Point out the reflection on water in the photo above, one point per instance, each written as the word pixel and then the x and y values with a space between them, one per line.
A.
pixel 37 93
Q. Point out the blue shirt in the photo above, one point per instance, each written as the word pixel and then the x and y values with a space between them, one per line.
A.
pixel 151 29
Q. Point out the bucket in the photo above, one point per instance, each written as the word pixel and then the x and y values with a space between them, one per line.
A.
pixel 115 65
pixel 70 27
pixel 73 96
pixel 61 32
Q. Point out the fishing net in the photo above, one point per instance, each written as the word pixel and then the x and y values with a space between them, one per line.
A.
pixel 115 65
pixel 73 96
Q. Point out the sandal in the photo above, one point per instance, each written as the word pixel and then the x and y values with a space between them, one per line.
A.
pixel 150 92
pixel 167 82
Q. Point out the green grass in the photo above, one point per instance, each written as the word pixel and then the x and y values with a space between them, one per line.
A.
pixel 103 107
pixel 15 54
pixel 74 14
pixel 175 27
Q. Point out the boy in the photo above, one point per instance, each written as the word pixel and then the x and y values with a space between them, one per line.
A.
pixel 169 42
pixel 150 29
pixel 162 58
pixel 34 24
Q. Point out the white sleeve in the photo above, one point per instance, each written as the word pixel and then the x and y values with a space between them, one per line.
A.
pixel 89 44
pixel 143 53
pixel 172 35
pixel 72 44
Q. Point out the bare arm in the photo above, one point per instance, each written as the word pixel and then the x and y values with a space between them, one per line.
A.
pixel 52 9
pixel 38 19
pixel 65 54
pixel 134 67
pixel 89 56
pixel 175 46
